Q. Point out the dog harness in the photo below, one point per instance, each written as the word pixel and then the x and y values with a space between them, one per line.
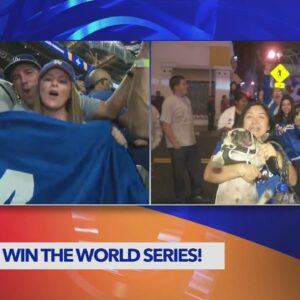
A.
pixel 237 154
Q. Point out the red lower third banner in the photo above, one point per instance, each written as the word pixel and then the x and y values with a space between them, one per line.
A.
pixel 251 271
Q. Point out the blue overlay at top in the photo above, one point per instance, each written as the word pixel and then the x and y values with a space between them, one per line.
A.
pixel 147 20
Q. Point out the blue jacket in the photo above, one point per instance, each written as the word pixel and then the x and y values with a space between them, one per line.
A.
pixel 289 136
pixel 270 103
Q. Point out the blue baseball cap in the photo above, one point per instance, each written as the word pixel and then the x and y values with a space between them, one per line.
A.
pixel 60 64
pixel 18 60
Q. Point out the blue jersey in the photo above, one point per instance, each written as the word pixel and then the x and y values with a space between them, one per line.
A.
pixel 269 182
pixel 268 101
pixel 289 136
pixel 101 95
pixel 48 161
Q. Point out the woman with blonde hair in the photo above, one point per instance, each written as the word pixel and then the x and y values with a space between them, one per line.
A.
pixel 59 98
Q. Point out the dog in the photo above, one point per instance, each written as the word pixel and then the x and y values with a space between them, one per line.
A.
pixel 239 146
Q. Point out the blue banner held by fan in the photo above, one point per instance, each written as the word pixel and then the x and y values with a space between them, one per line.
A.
pixel 48 161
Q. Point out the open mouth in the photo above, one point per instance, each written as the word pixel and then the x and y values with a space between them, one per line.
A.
pixel 26 91
pixel 53 93
pixel 247 142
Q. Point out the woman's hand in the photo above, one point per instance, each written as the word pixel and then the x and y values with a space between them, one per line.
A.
pixel 249 172
pixel 119 137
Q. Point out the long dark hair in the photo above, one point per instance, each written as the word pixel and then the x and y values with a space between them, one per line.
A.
pixel 280 115
pixel 265 108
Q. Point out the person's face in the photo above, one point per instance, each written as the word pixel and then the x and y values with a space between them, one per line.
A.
pixel 233 86
pixel 55 89
pixel 256 121
pixel 277 95
pixel 261 95
pixel 241 104
pixel 286 107
pixel 81 86
pixel 105 84
pixel 24 78
pixel 182 88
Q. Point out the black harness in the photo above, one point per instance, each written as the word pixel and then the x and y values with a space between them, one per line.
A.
pixel 237 154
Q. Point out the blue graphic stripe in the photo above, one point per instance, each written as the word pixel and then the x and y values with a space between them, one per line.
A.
pixel 52 19
pixel 192 19
pixel 85 31
pixel 276 227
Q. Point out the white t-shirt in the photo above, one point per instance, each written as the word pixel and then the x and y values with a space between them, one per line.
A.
pixel 177 111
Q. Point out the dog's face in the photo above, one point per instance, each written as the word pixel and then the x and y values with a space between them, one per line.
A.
pixel 239 146
pixel 239 137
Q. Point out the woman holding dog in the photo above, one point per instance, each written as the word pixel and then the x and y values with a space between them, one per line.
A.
pixel 257 119
pixel 288 133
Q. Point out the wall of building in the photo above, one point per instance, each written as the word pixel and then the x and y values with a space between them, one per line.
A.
pixel 199 61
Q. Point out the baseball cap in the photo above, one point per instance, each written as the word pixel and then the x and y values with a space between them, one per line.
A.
pixel 18 60
pixel 60 64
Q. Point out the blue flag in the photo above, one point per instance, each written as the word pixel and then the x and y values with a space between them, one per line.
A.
pixel 48 161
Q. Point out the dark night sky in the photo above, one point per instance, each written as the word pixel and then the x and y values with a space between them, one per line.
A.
pixel 251 55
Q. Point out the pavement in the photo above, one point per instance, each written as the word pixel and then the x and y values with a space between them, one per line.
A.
pixel 162 188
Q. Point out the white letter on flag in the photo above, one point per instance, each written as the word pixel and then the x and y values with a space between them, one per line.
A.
pixel 19 182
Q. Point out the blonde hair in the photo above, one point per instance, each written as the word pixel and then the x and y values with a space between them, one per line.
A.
pixel 72 105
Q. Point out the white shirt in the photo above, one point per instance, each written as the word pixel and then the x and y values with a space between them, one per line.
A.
pixel 177 111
